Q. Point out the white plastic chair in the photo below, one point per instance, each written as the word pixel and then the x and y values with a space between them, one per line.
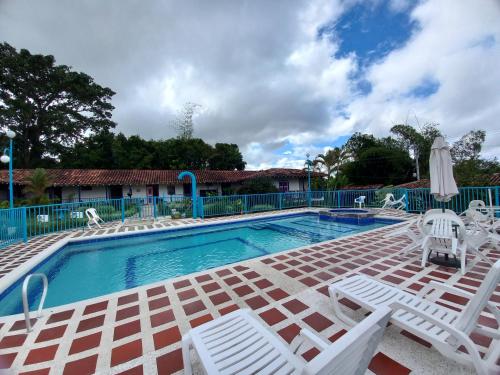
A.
pixel 93 217
pixel 442 237
pixel 237 343
pixel 360 201
pixel 447 330
pixel 42 218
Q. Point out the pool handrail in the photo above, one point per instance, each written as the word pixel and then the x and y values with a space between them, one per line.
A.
pixel 26 306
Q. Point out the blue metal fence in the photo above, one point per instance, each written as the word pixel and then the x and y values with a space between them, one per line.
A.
pixel 26 222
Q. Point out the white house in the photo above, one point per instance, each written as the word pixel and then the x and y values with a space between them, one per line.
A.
pixel 78 184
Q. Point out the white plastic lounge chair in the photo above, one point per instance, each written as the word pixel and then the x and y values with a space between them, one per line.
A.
pixel 444 233
pixel 93 217
pixel 444 328
pixel 360 201
pixel 475 215
pixel 475 238
pixel 400 204
pixel 388 200
pixel 237 343
pixel 391 202
pixel 412 230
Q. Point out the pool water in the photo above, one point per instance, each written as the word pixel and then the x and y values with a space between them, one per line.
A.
pixel 93 268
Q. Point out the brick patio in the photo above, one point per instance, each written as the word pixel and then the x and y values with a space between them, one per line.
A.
pixel 138 331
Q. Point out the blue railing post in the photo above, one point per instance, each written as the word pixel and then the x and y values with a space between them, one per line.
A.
pixel 24 224
pixel 245 207
pixel 497 199
pixel 155 200
pixel 122 203
pixel 202 208
pixel 309 198
pixel 407 199
pixel 280 198
pixel 338 198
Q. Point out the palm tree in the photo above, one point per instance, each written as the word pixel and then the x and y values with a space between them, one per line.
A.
pixel 332 160
pixel 38 182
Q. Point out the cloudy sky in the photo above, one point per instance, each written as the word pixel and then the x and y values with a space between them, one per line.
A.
pixel 279 78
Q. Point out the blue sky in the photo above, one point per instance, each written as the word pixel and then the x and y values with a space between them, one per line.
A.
pixel 280 78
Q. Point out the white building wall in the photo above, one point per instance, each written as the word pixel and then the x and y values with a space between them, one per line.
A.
pixel 71 192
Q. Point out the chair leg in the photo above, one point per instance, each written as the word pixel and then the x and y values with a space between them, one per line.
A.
pixel 463 255
pixel 186 345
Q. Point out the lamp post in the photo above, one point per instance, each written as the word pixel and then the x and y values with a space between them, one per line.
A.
pixel 308 163
pixel 9 159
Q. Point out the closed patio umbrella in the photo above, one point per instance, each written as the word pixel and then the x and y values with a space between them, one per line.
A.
pixel 443 186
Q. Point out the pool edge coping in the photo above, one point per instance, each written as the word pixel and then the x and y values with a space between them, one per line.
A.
pixel 65 241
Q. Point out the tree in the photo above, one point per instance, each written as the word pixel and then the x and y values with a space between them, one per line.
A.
pixel 183 124
pixel 469 146
pixel 379 165
pixel 49 106
pixel 470 169
pixel 358 143
pixel 419 143
pixel 332 160
pixel 226 156
pixel 96 151
pixel 38 182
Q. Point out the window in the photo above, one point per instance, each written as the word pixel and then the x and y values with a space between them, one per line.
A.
pixel 284 186
pixel 171 189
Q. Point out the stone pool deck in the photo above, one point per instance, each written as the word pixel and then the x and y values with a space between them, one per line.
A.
pixel 138 331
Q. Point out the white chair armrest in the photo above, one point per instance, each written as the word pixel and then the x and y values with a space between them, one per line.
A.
pixel 462 293
pixel 451 289
pixel 313 338
pixel 460 337
pixel 304 335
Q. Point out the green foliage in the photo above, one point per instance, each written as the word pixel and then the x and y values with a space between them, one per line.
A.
pixel 258 185
pixel 332 160
pixel 379 165
pixel 49 106
pixel 418 142
pixel 38 182
pixel 469 146
pixel 119 152
pixel 226 156
pixel 262 207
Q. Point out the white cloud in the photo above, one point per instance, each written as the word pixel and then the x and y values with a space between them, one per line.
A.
pixel 262 74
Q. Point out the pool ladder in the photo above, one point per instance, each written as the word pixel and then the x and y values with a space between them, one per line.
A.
pixel 26 306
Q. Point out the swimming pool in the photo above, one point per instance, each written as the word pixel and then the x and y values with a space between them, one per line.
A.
pixel 92 268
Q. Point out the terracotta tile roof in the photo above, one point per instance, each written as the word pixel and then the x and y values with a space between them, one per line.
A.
pixel 423 183
pixel 361 187
pixel 426 183
pixel 495 179
pixel 73 177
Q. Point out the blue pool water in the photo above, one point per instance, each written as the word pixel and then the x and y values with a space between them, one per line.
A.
pixel 94 268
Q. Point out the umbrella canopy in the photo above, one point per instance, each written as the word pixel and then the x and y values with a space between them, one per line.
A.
pixel 443 186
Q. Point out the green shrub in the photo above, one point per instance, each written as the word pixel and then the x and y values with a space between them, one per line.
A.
pixel 262 207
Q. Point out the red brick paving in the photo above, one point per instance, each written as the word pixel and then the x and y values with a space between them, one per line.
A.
pixel 121 318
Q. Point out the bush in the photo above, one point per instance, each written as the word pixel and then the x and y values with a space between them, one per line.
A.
pixel 260 185
pixel 262 207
